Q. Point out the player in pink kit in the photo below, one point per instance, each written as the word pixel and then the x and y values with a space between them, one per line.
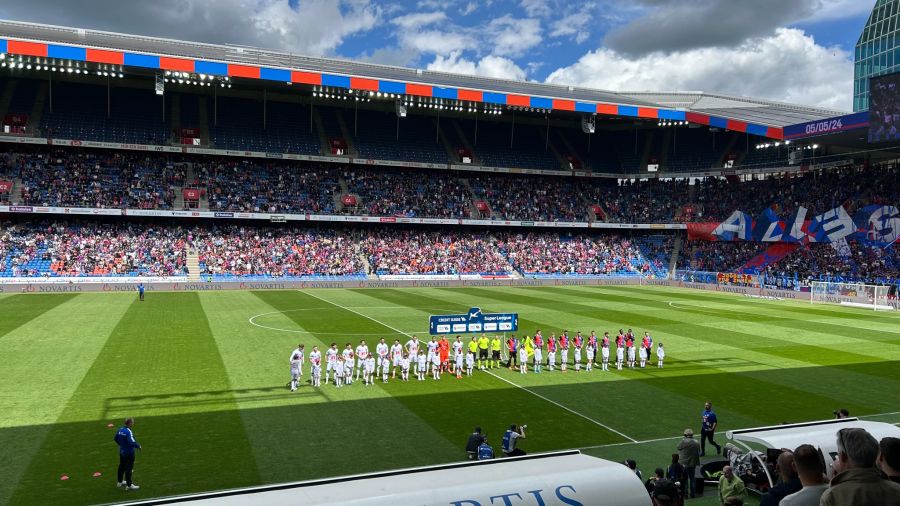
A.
pixel 604 352
pixel 564 350
pixel 577 344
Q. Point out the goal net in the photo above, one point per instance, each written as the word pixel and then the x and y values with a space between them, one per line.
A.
pixel 850 294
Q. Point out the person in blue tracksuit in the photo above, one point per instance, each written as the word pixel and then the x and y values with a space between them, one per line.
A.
pixel 140 289
pixel 127 445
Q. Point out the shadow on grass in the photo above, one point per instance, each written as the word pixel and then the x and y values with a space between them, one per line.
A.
pixel 217 448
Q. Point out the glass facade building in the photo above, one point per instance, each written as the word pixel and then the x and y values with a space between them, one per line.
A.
pixel 877 50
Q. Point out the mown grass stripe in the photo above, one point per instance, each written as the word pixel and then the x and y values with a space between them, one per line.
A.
pixel 16 310
pixel 161 365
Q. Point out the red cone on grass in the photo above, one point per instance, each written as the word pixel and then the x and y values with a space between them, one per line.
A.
pixel 64 477
pixel 97 474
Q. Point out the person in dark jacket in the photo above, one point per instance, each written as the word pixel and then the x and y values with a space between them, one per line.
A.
pixel 475 440
pixel 127 445
pixel 787 485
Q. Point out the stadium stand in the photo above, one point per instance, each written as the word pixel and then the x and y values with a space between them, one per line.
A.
pixel 80 112
pixel 62 248
pixel 272 187
pixel 406 193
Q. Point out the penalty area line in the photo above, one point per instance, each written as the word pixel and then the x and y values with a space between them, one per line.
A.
pixel 551 401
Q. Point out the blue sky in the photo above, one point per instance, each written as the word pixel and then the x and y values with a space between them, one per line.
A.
pixel 789 50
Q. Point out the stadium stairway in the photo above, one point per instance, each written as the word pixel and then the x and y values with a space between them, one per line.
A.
pixel 193 265
pixel 448 146
pixel 179 197
pixel 174 112
pixel 465 142
pixel 6 97
pixel 676 251
pixel 203 114
pixel 38 110
pixel 324 145
pixel 345 132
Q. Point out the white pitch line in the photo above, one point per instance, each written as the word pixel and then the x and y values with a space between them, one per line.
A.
pixel 551 401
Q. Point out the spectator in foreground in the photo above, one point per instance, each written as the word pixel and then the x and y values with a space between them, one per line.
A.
pixel 856 482
pixel 731 486
pixel 689 456
pixel 665 493
pixel 474 441
pixel 632 464
pixel 788 482
pixel 811 470
pixel 841 413
pixel 675 471
pixel 889 458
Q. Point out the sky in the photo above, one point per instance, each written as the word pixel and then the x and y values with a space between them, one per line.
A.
pixel 796 51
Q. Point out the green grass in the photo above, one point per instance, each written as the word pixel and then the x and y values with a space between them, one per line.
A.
pixel 207 386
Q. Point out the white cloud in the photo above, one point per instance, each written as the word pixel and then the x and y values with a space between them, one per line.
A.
pixel 419 19
pixel 315 27
pixel 513 37
pixel 536 7
pixel 436 41
pixel 828 10
pixel 489 66
pixel 575 25
pixel 469 9
pixel 787 66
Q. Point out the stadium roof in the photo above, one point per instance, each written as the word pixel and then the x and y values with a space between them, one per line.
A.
pixel 758 117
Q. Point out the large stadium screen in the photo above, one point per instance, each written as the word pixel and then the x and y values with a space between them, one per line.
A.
pixel 884 108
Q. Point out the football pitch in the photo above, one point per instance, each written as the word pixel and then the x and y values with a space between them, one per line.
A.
pixel 204 375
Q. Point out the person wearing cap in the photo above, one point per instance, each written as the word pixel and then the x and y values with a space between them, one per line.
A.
pixel 889 458
pixel 689 456
pixel 475 440
pixel 665 493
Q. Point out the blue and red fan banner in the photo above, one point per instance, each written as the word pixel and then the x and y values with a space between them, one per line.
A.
pixel 876 225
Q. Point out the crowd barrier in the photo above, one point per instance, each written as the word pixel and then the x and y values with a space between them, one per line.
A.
pixel 39 286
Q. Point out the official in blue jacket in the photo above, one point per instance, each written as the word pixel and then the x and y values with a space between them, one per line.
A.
pixel 127 444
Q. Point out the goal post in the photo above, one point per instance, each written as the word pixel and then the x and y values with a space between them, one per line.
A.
pixel 850 294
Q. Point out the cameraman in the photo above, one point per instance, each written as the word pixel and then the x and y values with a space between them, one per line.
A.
pixel 510 437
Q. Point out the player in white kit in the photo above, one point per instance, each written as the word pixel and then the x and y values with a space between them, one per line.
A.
pixel 370 370
pixel 620 357
pixel 660 355
pixel 523 360
pixel 362 355
pixel 338 372
pixel 458 356
pixel 631 356
pixel 436 364
pixel 296 361
pixel 347 355
pixel 589 351
pixel 538 358
pixel 642 355
pixel 470 363
pixel 404 368
pixel 381 350
pixel 396 357
pixel 421 366
pixel 315 358
pixel 604 352
pixel 432 351
pixel 385 368
pixel 331 355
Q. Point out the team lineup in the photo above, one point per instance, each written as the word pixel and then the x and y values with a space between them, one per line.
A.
pixel 433 358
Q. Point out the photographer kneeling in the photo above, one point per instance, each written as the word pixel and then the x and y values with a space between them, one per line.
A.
pixel 510 437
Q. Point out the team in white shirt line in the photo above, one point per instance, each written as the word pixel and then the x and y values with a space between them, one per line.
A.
pixel 433 358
